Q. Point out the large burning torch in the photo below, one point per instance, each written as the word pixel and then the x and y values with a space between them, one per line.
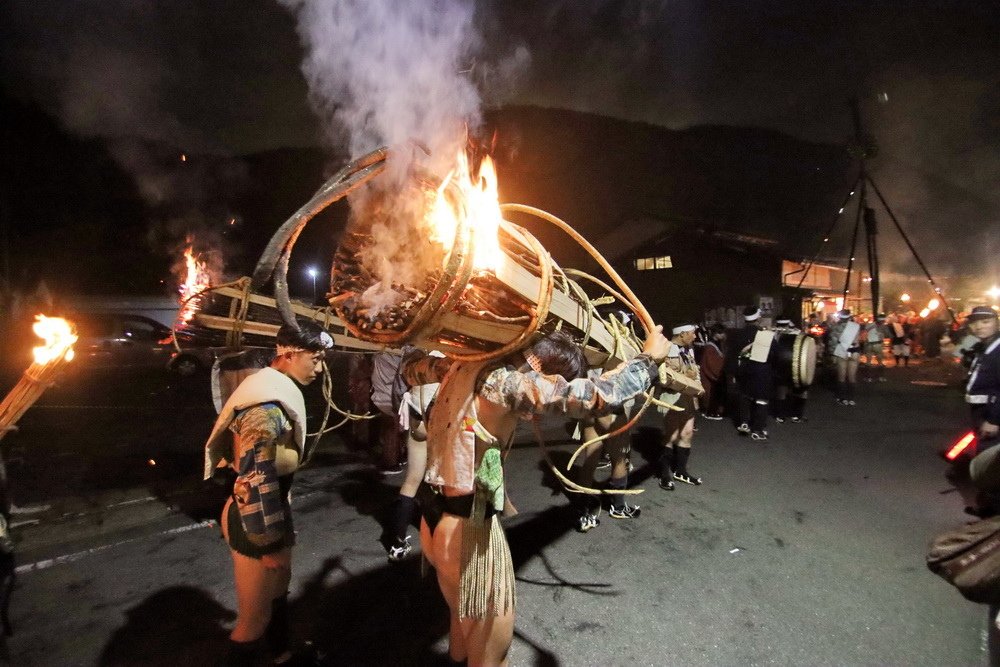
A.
pixel 58 336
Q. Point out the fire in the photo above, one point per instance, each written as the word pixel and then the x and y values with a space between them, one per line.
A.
pixel 196 280
pixel 480 202
pixel 59 336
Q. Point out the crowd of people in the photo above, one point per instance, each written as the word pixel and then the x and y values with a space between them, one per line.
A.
pixel 456 421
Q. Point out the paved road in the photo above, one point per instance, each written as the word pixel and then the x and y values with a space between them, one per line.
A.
pixel 806 550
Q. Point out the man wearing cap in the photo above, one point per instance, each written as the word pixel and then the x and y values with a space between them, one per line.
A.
pixel 678 425
pixel 982 393
pixel 845 346
pixel 754 352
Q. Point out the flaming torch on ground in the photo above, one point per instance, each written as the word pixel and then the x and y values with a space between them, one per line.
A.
pixel 58 336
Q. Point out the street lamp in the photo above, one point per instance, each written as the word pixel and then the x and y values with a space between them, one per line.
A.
pixel 312 274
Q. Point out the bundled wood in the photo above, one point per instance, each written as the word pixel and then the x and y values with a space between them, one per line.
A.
pixel 49 358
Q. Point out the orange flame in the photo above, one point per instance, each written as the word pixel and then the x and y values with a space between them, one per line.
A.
pixel 480 200
pixel 58 335
pixel 196 280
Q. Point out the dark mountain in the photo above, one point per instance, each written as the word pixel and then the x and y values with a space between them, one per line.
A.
pixel 109 215
pixel 604 175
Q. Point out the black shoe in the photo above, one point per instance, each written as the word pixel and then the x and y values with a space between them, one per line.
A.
pixel 760 436
pixel 780 420
pixel 743 429
pixel 667 484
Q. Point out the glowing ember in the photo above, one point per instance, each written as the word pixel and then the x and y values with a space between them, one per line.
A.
pixel 59 337
pixel 481 203
pixel 196 280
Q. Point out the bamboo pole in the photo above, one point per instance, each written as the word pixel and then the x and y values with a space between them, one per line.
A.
pixel 59 336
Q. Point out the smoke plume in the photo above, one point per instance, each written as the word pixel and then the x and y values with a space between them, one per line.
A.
pixel 402 74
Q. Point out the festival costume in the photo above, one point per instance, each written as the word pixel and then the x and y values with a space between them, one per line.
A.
pixel 845 345
pixel 266 416
pixel 673 462
pixel 901 343
pixel 790 400
pixel 472 423
pixel 755 355
pixel 982 394
pixel 712 378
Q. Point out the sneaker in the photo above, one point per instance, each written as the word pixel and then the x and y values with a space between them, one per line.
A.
pixel 743 429
pixel 605 462
pixel 798 420
pixel 780 420
pixel 714 418
pixel 394 470
pixel 687 479
pixel 586 522
pixel 400 550
pixel 851 402
pixel 759 435
pixel 626 511
pixel 667 484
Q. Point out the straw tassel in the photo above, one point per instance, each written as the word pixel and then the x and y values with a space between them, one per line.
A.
pixel 486 587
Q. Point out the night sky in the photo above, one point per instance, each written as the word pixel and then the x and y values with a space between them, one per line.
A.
pixel 226 76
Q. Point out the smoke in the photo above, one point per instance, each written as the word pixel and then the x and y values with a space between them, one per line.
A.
pixel 384 72
pixel 407 75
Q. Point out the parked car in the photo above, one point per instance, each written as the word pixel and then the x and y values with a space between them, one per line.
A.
pixel 125 340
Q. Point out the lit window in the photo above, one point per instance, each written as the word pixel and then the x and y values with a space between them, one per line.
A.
pixel 650 263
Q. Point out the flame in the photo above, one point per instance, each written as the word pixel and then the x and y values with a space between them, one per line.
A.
pixel 196 279
pixel 481 203
pixel 59 337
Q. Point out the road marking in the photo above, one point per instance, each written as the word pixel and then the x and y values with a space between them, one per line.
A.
pixel 69 558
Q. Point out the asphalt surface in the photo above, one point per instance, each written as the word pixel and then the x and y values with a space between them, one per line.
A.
pixel 805 550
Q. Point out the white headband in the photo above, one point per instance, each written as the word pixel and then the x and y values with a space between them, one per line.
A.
pixel 751 318
pixel 684 328
pixel 325 339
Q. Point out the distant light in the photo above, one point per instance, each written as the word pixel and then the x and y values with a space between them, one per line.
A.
pixel 883 97
pixel 993 292
pixel 904 297
pixel 852 193
pixel 184 158
pixel 933 304
pixel 841 210
pixel 925 312
pixel 312 272
pixel 825 240
pixel 151 462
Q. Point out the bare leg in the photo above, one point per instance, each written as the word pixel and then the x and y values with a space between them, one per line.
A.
pixel 256 587
pixel 482 642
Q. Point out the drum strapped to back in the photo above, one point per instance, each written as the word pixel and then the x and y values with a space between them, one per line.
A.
pixel 795 361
